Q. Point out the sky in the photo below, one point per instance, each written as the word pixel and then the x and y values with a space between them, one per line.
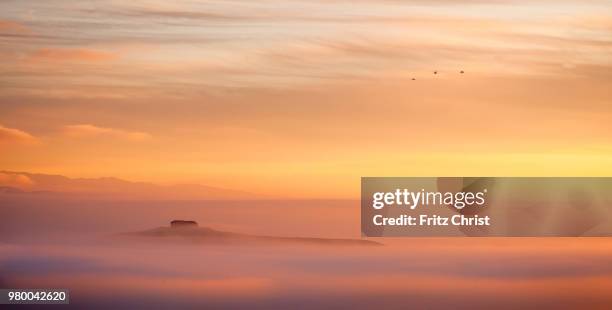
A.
pixel 302 98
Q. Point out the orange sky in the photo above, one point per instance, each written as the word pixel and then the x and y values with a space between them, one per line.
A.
pixel 302 98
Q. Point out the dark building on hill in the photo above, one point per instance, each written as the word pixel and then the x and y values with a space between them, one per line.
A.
pixel 183 224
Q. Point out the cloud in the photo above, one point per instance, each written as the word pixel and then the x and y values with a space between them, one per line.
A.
pixel 88 130
pixel 182 44
pixel 15 180
pixel 15 136
pixel 71 54
pixel 11 27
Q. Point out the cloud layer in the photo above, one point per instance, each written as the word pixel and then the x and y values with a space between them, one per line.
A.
pixel 262 44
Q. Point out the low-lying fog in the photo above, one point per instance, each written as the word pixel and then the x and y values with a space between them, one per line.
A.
pixel 72 244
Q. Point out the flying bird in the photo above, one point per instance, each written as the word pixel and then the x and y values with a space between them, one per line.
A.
pixel 435 72
pixel 461 72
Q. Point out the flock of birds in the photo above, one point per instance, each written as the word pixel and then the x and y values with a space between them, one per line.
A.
pixel 436 72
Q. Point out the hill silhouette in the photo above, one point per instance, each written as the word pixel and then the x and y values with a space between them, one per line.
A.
pixel 207 235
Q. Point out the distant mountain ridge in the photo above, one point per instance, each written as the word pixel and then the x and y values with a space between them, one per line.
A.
pixel 23 183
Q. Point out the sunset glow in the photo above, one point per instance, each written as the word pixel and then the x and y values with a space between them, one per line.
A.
pixel 302 98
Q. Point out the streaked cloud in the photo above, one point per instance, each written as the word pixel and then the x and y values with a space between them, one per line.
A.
pixel 67 54
pixel 88 130
pixel 15 136
pixel 297 44
pixel 11 26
